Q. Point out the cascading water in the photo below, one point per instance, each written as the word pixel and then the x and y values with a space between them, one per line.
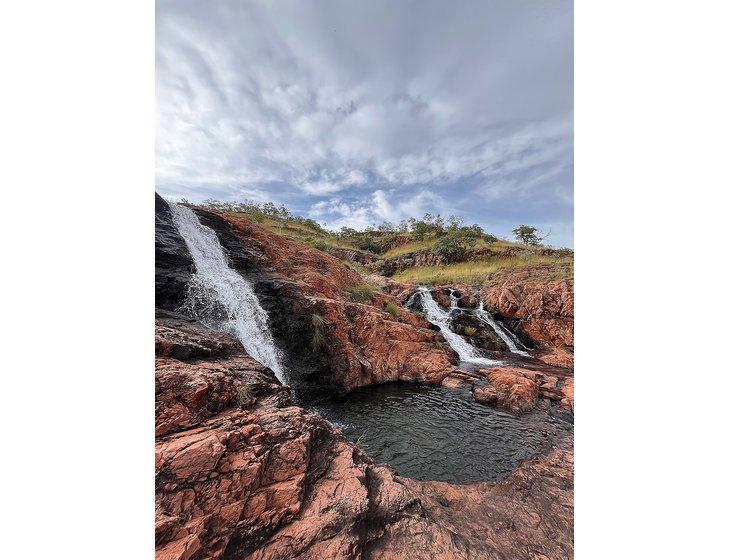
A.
pixel 437 316
pixel 453 300
pixel 221 298
pixel 511 342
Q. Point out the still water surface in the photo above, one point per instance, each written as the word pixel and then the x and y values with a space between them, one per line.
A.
pixel 434 433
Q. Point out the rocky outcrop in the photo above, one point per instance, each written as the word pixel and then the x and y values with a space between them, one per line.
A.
pixel 264 479
pixel 400 290
pixel 513 390
pixel 321 314
pixel 389 267
pixel 173 264
pixel 543 310
pixel 350 255
pixel 557 357
pixel 518 389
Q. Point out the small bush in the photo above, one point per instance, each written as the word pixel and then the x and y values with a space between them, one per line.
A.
pixel 245 395
pixel 318 331
pixel 455 247
pixel 361 292
pixel 319 244
pixel 392 308
pixel 367 243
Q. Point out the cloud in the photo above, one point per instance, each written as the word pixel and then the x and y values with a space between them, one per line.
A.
pixel 367 111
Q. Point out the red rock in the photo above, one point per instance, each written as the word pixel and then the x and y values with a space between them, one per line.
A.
pixel 558 357
pixel 515 391
pixel 567 390
pixel 275 482
pixel 363 343
pixel 545 308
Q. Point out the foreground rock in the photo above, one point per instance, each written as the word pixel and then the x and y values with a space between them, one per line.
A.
pixel 260 478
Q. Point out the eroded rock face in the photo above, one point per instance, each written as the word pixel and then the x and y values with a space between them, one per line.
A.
pixel 359 342
pixel 544 309
pixel 271 481
pixel 389 267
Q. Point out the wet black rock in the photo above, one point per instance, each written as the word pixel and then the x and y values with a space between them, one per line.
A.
pixel 173 264
pixel 477 332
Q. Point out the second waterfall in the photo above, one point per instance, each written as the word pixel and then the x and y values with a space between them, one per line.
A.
pixel 442 319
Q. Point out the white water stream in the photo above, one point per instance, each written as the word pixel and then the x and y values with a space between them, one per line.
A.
pixel 442 319
pixel 221 298
pixel 502 333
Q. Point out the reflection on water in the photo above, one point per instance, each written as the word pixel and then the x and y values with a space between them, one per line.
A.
pixel 432 433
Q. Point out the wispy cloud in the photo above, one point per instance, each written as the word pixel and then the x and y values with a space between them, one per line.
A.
pixel 360 112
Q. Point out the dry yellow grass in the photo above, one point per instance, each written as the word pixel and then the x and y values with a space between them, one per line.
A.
pixel 479 272
pixel 415 246
pixel 411 247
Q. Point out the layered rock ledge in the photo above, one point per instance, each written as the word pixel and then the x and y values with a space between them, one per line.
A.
pixel 263 479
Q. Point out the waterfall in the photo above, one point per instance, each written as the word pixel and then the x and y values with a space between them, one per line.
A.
pixel 442 319
pixel 453 300
pixel 509 339
pixel 221 298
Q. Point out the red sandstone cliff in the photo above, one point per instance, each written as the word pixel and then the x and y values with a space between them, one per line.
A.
pixel 363 343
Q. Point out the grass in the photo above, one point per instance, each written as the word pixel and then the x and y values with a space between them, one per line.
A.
pixel 361 292
pixel 318 332
pixel 318 239
pixel 244 395
pixel 411 247
pixel 479 272
pixel 392 308
pixel 415 246
pixel 357 267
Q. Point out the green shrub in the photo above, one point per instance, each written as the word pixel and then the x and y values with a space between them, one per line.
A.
pixel 455 247
pixel 367 243
pixel 361 292
pixel 317 331
pixel 392 308
pixel 319 244
pixel 245 395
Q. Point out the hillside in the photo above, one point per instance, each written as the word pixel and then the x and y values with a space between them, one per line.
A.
pixel 421 251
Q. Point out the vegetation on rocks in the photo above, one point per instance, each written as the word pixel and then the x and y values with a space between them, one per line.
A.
pixel 245 395
pixel 317 331
pixel 468 253
pixel 481 272
pixel 361 292
pixel 392 308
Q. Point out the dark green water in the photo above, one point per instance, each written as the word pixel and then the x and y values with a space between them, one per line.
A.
pixel 433 433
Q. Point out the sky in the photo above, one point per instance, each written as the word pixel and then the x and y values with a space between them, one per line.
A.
pixel 355 113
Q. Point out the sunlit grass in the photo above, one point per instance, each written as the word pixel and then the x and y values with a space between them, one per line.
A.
pixel 411 247
pixel 415 246
pixel 301 232
pixel 478 272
